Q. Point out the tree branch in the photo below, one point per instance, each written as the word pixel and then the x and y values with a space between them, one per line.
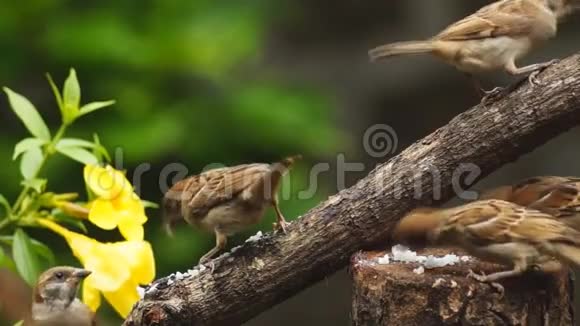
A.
pixel 266 272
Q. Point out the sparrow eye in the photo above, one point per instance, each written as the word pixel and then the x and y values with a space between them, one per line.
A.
pixel 59 275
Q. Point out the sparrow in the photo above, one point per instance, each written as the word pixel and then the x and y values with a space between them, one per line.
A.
pixel 496 231
pixel 54 301
pixel 554 195
pixel 493 38
pixel 226 200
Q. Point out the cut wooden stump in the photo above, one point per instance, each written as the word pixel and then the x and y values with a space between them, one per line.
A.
pixel 395 295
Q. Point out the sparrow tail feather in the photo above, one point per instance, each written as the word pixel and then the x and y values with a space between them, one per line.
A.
pixel 401 48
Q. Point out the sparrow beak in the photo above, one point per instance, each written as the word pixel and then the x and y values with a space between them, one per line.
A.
pixel 81 273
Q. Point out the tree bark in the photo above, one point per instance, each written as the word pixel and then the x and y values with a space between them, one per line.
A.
pixel 263 273
pixel 394 295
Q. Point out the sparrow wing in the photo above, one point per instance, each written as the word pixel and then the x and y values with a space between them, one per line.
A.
pixel 504 18
pixel 215 187
pixel 557 196
pixel 550 236
pixel 490 220
pixel 500 222
pixel 554 195
pixel 537 227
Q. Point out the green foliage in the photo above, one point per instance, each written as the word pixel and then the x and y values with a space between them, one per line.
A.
pixel 26 259
pixel 5 205
pixel 29 256
pixel 26 145
pixel 28 115
pixel 31 162
pixel 71 98
pixel 6 261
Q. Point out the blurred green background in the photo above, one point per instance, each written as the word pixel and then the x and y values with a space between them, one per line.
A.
pixel 204 82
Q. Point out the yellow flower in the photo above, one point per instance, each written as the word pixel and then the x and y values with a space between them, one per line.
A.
pixel 117 204
pixel 117 268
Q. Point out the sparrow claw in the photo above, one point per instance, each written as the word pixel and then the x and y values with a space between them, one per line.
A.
pixel 478 277
pixel 492 94
pixel 499 288
pixel 211 266
pixel 207 262
pixel 533 78
pixel 281 225
pixel 483 279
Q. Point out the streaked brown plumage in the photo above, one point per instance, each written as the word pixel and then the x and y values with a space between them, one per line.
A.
pixel 54 301
pixel 554 195
pixel 226 200
pixel 493 38
pixel 496 231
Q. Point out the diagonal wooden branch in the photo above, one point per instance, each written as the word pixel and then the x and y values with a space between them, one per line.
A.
pixel 266 272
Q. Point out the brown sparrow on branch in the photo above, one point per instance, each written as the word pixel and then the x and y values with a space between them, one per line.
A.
pixel 226 200
pixel 54 301
pixel 496 231
pixel 493 38
pixel 557 196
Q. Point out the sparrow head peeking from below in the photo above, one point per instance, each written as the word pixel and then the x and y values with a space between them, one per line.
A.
pixel 55 301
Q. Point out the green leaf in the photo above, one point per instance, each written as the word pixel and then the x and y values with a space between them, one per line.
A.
pixel 27 144
pixel 5 260
pixel 43 251
pixel 98 150
pixel 74 142
pixel 37 184
pixel 78 154
pixel 25 257
pixel 9 240
pixel 5 204
pixel 28 114
pixel 102 151
pixel 71 97
pixel 19 323
pixel 93 106
pixel 31 162
pixel 56 92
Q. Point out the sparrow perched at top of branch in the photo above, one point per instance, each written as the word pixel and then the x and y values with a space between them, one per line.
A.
pixel 226 200
pixel 54 299
pixel 554 195
pixel 496 231
pixel 493 38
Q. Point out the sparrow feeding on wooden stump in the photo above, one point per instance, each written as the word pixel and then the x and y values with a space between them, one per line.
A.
pixel 227 200
pixel 496 231
pixel 554 195
pixel 54 301
pixel 493 38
